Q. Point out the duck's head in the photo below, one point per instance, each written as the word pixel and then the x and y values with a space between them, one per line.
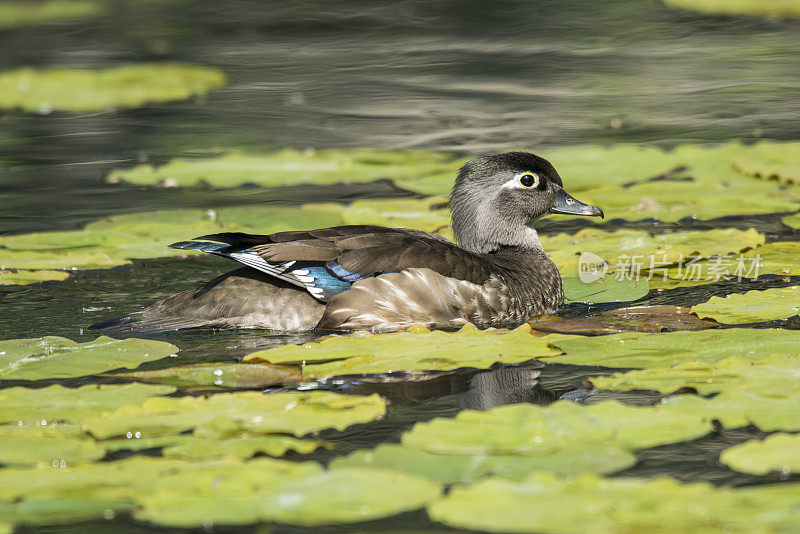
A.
pixel 496 198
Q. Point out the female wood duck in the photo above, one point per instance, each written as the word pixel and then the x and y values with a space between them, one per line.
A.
pixel 383 279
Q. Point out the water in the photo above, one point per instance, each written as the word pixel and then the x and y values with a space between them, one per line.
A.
pixel 467 77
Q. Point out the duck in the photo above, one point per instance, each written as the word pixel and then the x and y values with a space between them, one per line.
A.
pixel 361 277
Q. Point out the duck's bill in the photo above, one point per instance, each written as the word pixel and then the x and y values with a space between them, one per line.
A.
pixel 566 204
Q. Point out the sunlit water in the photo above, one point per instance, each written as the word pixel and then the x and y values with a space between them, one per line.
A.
pixel 469 77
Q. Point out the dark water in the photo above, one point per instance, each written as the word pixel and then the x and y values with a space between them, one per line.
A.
pixel 469 77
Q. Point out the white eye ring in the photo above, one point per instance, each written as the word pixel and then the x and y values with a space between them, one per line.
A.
pixel 516 181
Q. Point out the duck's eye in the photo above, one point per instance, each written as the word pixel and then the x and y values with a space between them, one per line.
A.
pixel 529 180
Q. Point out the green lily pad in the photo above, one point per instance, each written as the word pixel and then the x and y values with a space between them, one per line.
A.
pixel 258 491
pixel 245 446
pixel 653 319
pixel 604 290
pixel 21 445
pixel 794 222
pixel 19 277
pixel 417 349
pixel 293 167
pixel 58 357
pixel 128 86
pixel 230 414
pixel 770 161
pixel 429 214
pixel 546 503
pixel 768 410
pixel 780 8
pixel 778 452
pixel 753 306
pixel 530 430
pixel 466 468
pixel 218 376
pixel 775 373
pixel 648 351
pixel 44 406
pixel 16 14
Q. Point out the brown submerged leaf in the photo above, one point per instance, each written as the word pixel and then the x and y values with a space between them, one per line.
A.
pixel 218 375
pixel 662 318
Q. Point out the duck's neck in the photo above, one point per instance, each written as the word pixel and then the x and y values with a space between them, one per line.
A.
pixel 487 232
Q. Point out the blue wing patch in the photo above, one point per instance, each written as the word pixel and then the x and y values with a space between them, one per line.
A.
pixel 325 282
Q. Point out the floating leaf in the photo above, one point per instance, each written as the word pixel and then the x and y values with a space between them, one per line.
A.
pixel 466 468
pixel 218 375
pixel 43 406
pixel 778 452
pixel 128 86
pixel 771 161
pixel 752 307
pixel 530 430
pixel 16 14
pixel 545 503
pixel 229 414
pixel 245 446
pixel 21 445
pixel 769 410
pixel 293 167
pixel 416 349
pixel 58 357
pixel 780 8
pixel 776 373
pixel 604 290
pixel 428 214
pixel 641 350
pixel 262 491
pixel 19 277
pixel 653 319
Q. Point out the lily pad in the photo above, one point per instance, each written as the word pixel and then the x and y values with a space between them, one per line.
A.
pixel 58 357
pixel 16 14
pixel 653 319
pixel 293 167
pixel 530 430
pixel 794 222
pixel 604 290
pixel 21 445
pixel 768 410
pixel 429 214
pixel 230 414
pixel 257 491
pixel 546 503
pixel 128 86
pixel 44 406
pixel 777 374
pixel 19 277
pixel 417 349
pixel 770 161
pixel 245 446
pixel 778 452
pixel 647 351
pixel 466 468
pixel 753 306
pixel 218 376
pixel 780 8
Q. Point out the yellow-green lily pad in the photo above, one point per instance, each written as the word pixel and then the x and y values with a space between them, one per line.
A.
pixel 127 86
pixel 642 350
pixel 779 8
pixel 20 277
pixel 777 373
pixel 530 430
pixel 294 167
pixel 607 289
pixel 753 306
pixel 768 410
pixel 244 446
pixel 230 414
pixel 58 357
pixel 794 222
pixel 44 406
pixel 15 14
pixel 466 468
pixel 218 376
pixel 770 161
pixel 417 349
pixel 24 445
pixel 778 452
pixel 546 503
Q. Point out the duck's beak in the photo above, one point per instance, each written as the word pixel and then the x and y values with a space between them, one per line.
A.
pixel 566 204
